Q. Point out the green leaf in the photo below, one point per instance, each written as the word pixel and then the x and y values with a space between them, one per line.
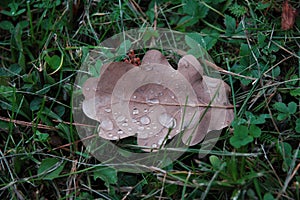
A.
pixel 196 48
pixel 215 161
pixel 292 107
pixel 295 92
pixel 50 168
pixel 6 25
pixel 297 126
pixel 107 174
pixel 240 137
pixel 268 196
pixel 255 131
pixel 282 116
pixel 95 69
pixel 230 24
pixel 53 62
pixel 35 104
pixel 42 137
pixel 281 107
pixel 124 47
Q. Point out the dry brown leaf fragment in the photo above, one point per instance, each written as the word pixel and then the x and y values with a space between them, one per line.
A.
pixel 288 16
pixel 155 102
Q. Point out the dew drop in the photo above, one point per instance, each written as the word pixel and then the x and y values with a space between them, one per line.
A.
pixel 129 129
pixel 154 146
pixel 135 111
pixel 120 118
pixel 160 141
pixel 145 110
pixel 115 137
pixel 148 68
pixel 87 89
pixel 125 124
pixel 110 135
pixel 152 101
pixel 140 128
pixel 107 125
pixel 145 120
pixel 134 97
pixel 167 120
pixel 120 132
pixel 108 110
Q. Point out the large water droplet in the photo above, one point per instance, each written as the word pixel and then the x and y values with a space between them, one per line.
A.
pixel 115 137
pixel 167 120
pixel 145 120
pixel 148 68
pixel 152 101
pixel 120 118
pixel 135 111
pixel 108 110
pixel 161 141
pixel 107 125
pixel 140 128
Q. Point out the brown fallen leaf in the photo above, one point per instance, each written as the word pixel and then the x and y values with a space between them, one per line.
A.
pixel 288 16
pixel 156 102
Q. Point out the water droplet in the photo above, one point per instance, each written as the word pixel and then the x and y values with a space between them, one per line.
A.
pixel 145 110
pixel 107 125
pixel 152 101
pixel 115 137
pixel 140 128
pixel 167 120
pixel 151 133
pixel 108 110
pixel 160 94
pixel 154 146
pixel 110 135
pixel 172 96
pixel 120 118
pixel 154 127
pixel 120 132
pixel 125 124
pixel 129 129
pixel 148 68
pixel 134 97
pixel 160 141
pixel 87 89
pixel 145 120
pixel 95 89
pixel 133 120
pixel 135 111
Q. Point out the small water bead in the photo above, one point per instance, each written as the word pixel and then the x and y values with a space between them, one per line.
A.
pixel 135 111
pixel 120 118
pixel 129 129
pixel 108 110
pixel 107 125
pixel 120 132
pixel 140 128
pixel 148 68
pixel 145 120
pixel 152 101
pixel 145 110
pixel 125 124
pixel 87 89
pixel 110 135
pixel 161 141
pixel 133 120
pixel 115 137
pixel 154 145
pixel 134 97
pixel 167 120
